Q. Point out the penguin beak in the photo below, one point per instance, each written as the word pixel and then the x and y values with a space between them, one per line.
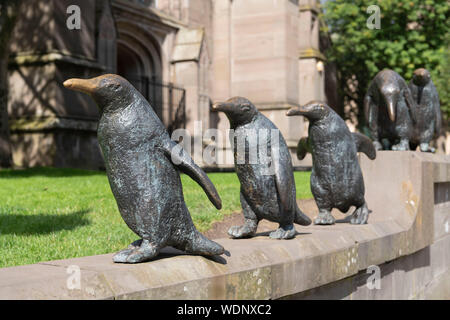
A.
pixel 420 72
pixel 296 111
pixel 221 106
pixel 391 109
pixel 87 86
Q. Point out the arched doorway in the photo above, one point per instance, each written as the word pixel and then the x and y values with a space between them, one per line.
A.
pixel 129 65
pixel 139 60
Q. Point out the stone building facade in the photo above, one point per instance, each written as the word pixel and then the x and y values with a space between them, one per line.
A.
pixel 181 54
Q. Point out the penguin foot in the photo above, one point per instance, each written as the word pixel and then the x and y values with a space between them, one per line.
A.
pixel 324 218
pixel 425 147
pixel 360 215
pixel 377 145
pixel 403 145
pixel 199 244
pixel 283 232
pixel 121 255
pixel 145 252
pixel 248 229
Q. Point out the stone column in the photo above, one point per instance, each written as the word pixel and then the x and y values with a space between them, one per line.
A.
pixel 8 16
pixel 264 59
pixel 188 52
pixel 310 65
pixel 106 37
pixel 221 71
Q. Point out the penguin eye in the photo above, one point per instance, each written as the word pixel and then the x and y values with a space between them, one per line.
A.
pixel 245 107
pixel 113 86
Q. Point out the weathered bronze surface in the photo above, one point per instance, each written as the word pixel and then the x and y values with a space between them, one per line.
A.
pixel 428 111
pixel 143 171
pixel 390 111
pixel 267 184
pixel 336 177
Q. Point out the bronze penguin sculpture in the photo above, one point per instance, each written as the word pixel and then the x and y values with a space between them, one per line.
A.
pixel 336 177
pixel 390 111
pixel 265 193
pixel 142 165
pixel 428 110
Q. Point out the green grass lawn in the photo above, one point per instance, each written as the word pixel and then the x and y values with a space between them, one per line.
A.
pixel 48 214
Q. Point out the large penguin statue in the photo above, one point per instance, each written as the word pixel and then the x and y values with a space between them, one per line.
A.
pixel 336 178
pixel 143 165
pixel 267 184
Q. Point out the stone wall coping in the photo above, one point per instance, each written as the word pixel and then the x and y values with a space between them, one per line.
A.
pixel 259 268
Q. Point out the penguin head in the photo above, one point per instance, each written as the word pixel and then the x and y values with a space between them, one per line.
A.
pixel 391 93
pixel 239 110
pixel 109 91
pixel 421 77
pixel 313 110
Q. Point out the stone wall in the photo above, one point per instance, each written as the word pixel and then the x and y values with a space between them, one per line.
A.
pixel 262 49
pixel 45 119
pixel 258 52
pixel 407 238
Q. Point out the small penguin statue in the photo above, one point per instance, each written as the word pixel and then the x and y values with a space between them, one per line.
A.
pixel 265 193
pixel 428 111
pixel 390 111
pixel 336 177
pixel 143 166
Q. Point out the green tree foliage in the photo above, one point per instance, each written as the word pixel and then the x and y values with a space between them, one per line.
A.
pixel 442 78
pixel 412 34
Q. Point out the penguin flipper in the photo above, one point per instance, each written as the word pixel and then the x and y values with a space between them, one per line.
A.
pixel 438 114
pixel 179 158
pixel 303 148
pixel 283 187
pixel 412 105
pixel 365 145
pixel 367 108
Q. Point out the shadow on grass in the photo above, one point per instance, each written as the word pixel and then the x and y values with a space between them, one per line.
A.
pixel 46 172
pixel 39 224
